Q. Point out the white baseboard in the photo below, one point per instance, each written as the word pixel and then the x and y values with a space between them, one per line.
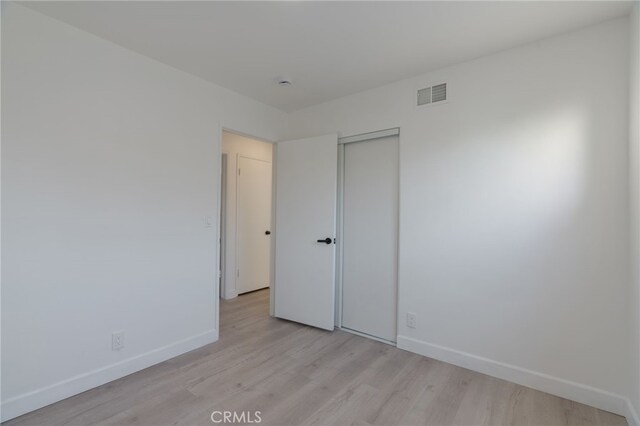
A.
pixel 30 401
pixel 543 382
pixel 631 414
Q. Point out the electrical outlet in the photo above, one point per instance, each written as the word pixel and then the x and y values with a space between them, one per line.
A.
pixel 411 320
pixel 117 340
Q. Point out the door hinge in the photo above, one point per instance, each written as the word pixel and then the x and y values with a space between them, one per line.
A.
pixel 238 171
pixel 238 273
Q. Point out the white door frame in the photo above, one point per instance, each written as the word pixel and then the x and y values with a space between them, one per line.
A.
pixel 395 131
pixel 221 129
pixel 222 223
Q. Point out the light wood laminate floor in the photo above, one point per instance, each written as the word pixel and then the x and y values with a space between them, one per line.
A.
pixel 297 375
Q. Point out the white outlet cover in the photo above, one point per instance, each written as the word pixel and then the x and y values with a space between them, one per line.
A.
pixel 411 320
pixel 117 340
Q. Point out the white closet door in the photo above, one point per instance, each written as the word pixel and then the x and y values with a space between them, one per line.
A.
pixel 370 237
pixel 254 222
pixel 306 186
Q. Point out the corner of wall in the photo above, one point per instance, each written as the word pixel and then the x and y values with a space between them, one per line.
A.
pixel 631 414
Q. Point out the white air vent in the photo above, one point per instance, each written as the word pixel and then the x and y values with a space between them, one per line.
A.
pixel 439 93
pixel 433 94
pixel 424 96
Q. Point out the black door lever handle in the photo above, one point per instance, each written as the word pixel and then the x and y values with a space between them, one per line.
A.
pixel 326 241
pixel 267 232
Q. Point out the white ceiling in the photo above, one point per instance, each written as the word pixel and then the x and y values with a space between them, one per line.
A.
pixel 329 49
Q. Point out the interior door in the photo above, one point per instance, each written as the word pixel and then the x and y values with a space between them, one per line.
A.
pixel 306 185
pixel 253 224
pixel 370 237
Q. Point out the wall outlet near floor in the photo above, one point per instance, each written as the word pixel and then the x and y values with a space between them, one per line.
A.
pixel 117 340
pixel 411 320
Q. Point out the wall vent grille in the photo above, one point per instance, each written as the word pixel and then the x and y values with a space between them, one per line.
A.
pixel 424 96
pixel 439 93
pixel 433 94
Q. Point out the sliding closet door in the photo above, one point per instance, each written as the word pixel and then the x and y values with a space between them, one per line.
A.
pixel 370 237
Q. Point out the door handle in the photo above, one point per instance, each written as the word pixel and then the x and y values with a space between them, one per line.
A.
pixel 267 232
pixel 326 241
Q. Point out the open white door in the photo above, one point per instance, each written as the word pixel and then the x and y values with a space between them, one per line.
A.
pixel 306 184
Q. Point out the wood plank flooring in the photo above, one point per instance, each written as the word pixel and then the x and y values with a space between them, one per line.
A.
pixel 298 375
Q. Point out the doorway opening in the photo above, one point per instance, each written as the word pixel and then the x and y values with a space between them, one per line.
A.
pixel 245 221
pixel 331 270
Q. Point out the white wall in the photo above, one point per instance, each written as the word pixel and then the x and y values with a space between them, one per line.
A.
pixel 109 166
pixel 634 187
pixel 513 210
pixel 234 145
